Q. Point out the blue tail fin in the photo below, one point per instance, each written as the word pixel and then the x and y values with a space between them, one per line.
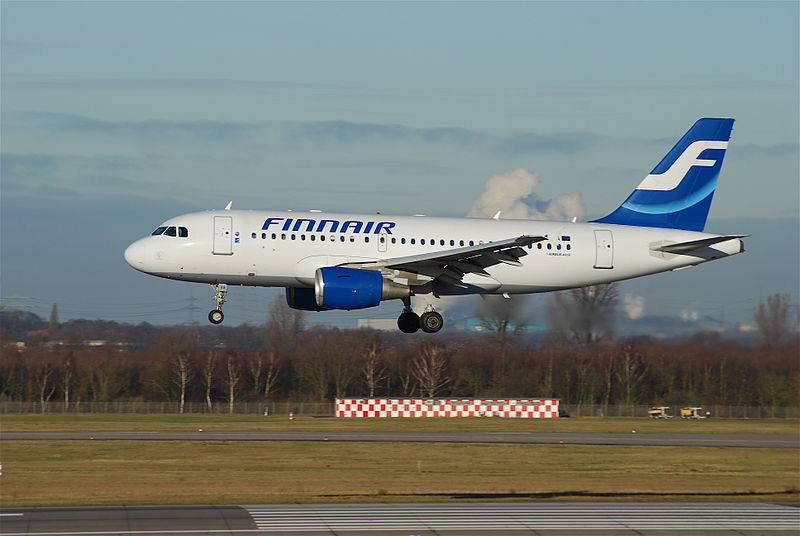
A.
pixel 677 193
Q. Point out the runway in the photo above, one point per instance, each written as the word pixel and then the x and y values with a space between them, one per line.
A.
pixel 407 519
pixel 679 440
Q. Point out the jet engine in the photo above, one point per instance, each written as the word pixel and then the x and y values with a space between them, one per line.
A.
pixel 353 288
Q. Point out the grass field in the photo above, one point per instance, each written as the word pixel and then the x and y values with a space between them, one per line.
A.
pixel 241 423
pixel 172 472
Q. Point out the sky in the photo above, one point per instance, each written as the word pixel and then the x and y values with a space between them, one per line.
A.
pixel 115 116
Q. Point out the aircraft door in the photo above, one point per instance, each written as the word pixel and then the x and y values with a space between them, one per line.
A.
pixel 604 256
pixel 382 241
pixel 223 235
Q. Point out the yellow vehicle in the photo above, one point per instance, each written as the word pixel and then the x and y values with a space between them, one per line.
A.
pixel 659 412
pixel 694 413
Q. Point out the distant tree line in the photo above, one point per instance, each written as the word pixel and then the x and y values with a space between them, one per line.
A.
pixel 283 360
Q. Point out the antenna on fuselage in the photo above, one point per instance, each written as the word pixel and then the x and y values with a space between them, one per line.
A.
pixel 228 206
pixel 497 216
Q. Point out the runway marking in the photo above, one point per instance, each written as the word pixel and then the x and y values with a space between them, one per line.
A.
pixel 12 514
pixel 527 517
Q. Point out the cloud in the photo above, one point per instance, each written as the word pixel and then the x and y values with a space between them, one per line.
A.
pixel 150 130
pixel 512 193
pixel 689 314
pixel 564 143
pixel 162 84
pixel 779 149
pixel 633 306
pixel 349 132
pixel 514 145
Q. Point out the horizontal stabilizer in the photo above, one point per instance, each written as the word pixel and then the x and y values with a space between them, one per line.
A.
pixel 692 245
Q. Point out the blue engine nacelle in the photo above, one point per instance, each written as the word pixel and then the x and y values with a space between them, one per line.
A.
pixel 347 288
pixel 302 298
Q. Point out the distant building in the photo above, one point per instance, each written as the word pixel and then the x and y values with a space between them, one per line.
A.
pixel 381 324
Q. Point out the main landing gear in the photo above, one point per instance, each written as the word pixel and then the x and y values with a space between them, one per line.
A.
pixel 410 322
pixel 216 316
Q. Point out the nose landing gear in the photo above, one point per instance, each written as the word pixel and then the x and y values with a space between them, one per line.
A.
pixel 216 316
pixel 411 322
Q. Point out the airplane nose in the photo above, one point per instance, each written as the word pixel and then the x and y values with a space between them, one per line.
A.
pixel 135 255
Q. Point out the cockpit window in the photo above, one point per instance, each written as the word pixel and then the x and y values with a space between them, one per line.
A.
pixel 159 231
pixel 170 231
pixel 183 232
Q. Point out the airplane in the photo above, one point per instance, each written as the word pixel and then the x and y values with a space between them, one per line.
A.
pixel 348 261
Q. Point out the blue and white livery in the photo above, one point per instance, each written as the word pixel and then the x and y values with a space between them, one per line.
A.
pixel 347 261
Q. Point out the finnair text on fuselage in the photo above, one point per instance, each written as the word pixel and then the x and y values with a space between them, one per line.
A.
pixel 309 225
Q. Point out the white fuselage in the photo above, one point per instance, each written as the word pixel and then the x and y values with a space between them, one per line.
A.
pixel 284 249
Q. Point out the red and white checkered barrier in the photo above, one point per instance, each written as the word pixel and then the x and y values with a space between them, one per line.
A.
pixel 523 408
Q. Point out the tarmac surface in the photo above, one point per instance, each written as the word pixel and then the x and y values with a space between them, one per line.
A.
pixel 427 519
pixel 680 440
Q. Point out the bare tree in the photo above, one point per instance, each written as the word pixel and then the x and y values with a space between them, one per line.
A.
pixel 209 371
pixel 374 370
pixel 504 317
pixel 271 374
pixel 182 376
pixel 232 378
pixel 772 319
pixel 429 369
pixel 42 371
pixel 255 363
pixel 284 325
pixel 68 370
pixel 632 369
pixel 583 314
pixel 52 326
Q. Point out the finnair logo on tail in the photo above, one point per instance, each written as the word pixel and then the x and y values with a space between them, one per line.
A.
pixel 671 178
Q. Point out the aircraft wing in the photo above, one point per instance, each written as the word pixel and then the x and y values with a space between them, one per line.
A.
pixel 450 266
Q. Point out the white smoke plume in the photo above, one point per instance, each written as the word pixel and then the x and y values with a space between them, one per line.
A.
pixel 633 306
pixel 513 194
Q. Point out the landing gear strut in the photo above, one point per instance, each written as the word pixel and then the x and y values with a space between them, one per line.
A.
pixel 216 316
pixel 411 322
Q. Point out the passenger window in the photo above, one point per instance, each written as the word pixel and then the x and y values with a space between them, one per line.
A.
pixel 539 245
pixel 253 235
pixel 402 240
pixel 283 236
pixel 569 247
pixel 471 243
pixel 366 240
pixel 170 231
pixel 383 240
pixel 422 242
pixel 441 242
pixel 274 236
pixel 558 246
pixel 302 237
pixel 460 242
pixel 452 242
pixel 322 238
pixel 413 240
pixel 394 240
pixel 313 237
pixel 183 232
pixel 159 231
pixel 549 246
